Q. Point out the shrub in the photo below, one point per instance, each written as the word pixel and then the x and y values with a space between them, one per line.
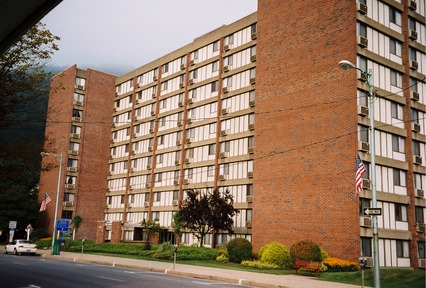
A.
pixel 239 249
pixel 340 265
pixel 222 258
pixel 39 234
pixel 166 246
pixel 260 265
pixel 275 253
pixel 324 254
pixel 305 250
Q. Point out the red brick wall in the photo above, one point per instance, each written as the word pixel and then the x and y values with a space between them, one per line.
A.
pixel 306 126
pixel 94 151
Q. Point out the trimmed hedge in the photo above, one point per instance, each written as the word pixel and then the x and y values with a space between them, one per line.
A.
pixel 276 254
pixel 305 250
pixel 239 249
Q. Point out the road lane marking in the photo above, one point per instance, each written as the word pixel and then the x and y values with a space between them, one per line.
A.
pixel 112 279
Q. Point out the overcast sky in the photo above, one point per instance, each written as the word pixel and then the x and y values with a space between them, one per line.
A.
pixel 119 36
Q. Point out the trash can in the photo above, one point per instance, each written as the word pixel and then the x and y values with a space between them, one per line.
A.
pixel 56 250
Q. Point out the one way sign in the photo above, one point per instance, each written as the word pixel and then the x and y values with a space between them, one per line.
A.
pixel 372 211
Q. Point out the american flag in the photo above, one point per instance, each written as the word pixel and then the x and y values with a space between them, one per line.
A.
pixel 360 169
pixel 46 200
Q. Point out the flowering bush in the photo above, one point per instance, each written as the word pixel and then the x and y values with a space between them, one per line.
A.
pixel 340 265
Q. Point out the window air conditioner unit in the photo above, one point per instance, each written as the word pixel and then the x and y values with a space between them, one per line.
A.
pixel 136 119
pixel 225 89
pixel 190 100
pixel 79 103
pixel 361 76
pixel 131 187
pixel 248 224
pixel 419 193
pixel 68 204
pixel 129 205
pixel 192 62
pixel 146 204
pixel 177 162
pixel 182 66
pixel 223 177
pixel 151 130
pixel 363 111
pixel 135 135
pixel 366 184
pixel 150 148
pixel 186 181
pixel 417 159
pixel 252 81
pixel 73 152
pixel 420 227
pixel 175 202
pixel 414 65
pixel 253 36
pixel 176 182
pixel 365 221
pixel 224 133
pixel 415 96
pixel 225 111
pixel 178 142
pixel 250 174
pixel 189 140
pixel 107 206
pixel 362 41
pixel 250 150
pixel 413 34
pixel 76 119
pixel 251 126
pixel 152 113
pixel 154 78
pixel 116 94
pixel 191 81
pixel 415 127
pixel 226 47
pixel 147 185
pixel 226 68
pixel 249 199
pixel 70 186
pixel 422 263
pixel 181 85
pixel 180 104
pixel 252 103
pixel 72 169
pixel 153 95
pixel 412 5
pixel 361 8
pixel 148 166
pixel 131 170
pixel 179 122
pixel 253 58
pixel 79 87
pixel 188 160
pixel 369 262
pixel 223 154
pixel 363 146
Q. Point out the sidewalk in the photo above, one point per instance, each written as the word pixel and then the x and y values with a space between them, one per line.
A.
pixel 229 276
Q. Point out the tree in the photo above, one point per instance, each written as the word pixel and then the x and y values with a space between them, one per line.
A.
pixel 149 228
pixel 24 90
pixel 76 221
pixel 204 213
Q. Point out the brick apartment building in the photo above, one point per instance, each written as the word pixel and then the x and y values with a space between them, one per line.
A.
pixel 259 107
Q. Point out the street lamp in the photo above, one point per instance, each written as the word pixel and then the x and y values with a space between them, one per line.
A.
pixel 345 64
pixel 59 157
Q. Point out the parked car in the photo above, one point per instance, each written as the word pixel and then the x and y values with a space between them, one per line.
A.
pixel 20 246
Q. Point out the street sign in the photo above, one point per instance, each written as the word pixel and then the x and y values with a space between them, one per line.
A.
pixel 372 211
pixel 12 224
pixel 62 225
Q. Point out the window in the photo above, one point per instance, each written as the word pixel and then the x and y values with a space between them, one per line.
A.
pixel 158 177
pixel 398 144
pixel 131 198
pixel 225 169
pixel 251 119
pixel 366 250
pixel 195 55
pixel 399 177
pixel 396 78
pixel 401 212
pixel 157 196
pixel 414 116
pixel 412 24
pixel 177 155
pixel 175 195
pixel 413 85
pixel 215 85
pixel 162 122
pixel 212 128
pixel 253 28
pixel 396 111
pixel 402 249
pixel 183 60
pixel 253 51
pixel 165 68
pixel 252 95
pixel 225 146
pixel 394 16
pixel 163 104
pixel 147 197
pixel 176 175
pixel 215 66
pixel 213 107
pixel 160 158
pixel 421 249
pixel 228 60
pixel 229 40
pixel 122 199
pixel 250 142
pixel 362 31
pixel 212 149
pixel 193 74
pixel 363 203
pixel 164 86
pixel 413 54
pixel 210 171
pixel 216 46
pixel 418 183
pixel 249 191
pixel 395 47
pixel 69 197
pixel 416 147
pixel 420 217
pixel 179 135
pixel 249 215
pixel 363 133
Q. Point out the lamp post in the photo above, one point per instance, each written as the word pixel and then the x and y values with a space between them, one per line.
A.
pixel 345 64
pixel 59 157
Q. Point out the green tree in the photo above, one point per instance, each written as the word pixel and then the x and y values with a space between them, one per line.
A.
pixel 149 229
pixel 204 213
pixel 24 90
pixel 77 220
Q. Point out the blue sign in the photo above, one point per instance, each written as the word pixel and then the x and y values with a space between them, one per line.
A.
pixel 62 225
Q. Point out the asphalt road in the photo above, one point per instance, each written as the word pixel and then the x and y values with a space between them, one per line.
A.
pixel 38 272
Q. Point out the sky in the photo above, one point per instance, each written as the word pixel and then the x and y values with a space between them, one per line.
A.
pixel 119 36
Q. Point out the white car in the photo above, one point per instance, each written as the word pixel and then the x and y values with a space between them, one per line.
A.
pixel 20 246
